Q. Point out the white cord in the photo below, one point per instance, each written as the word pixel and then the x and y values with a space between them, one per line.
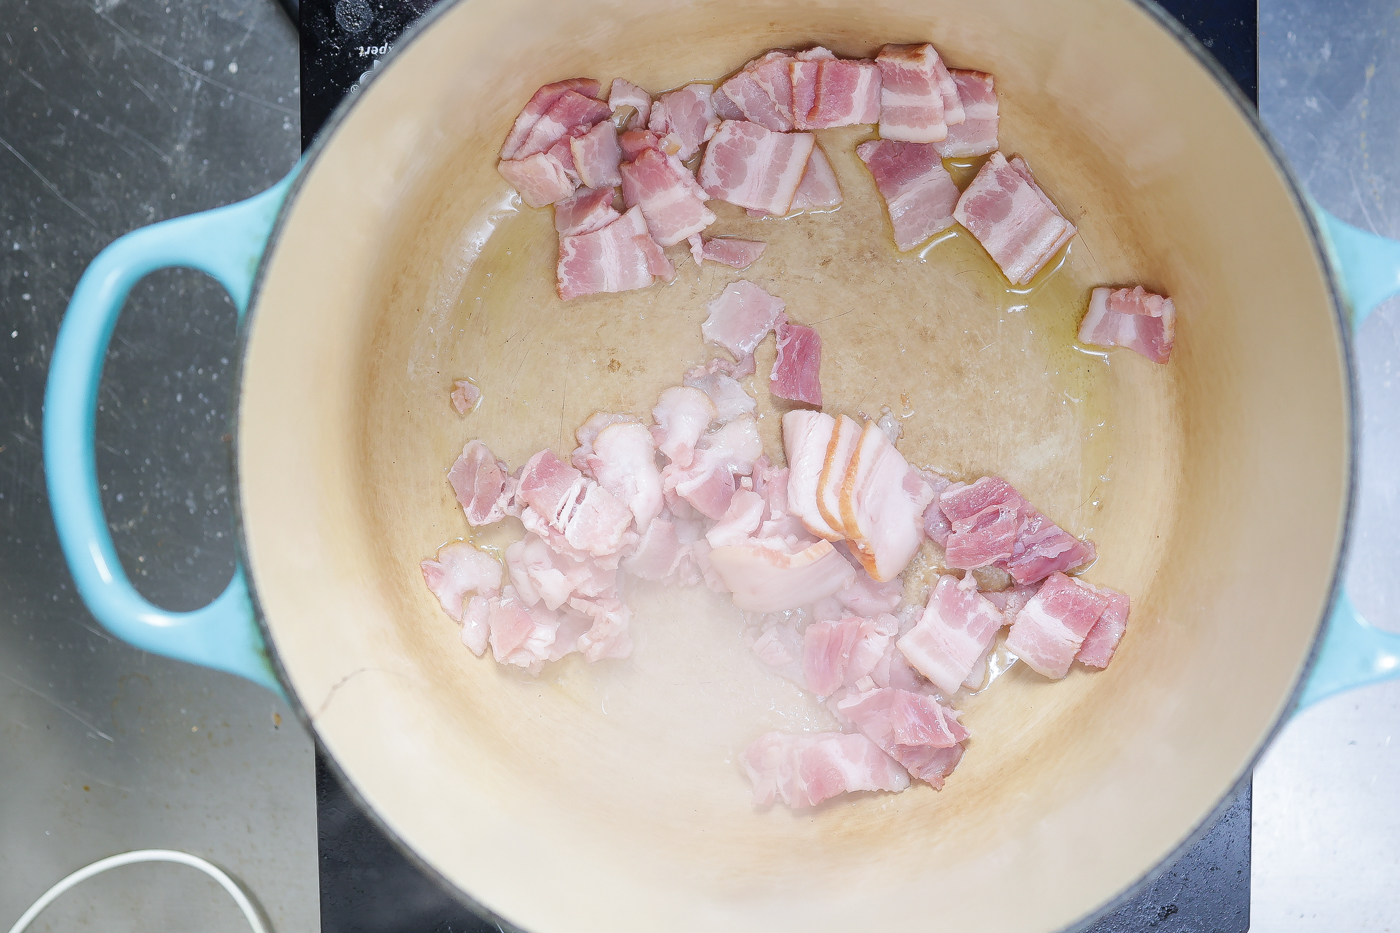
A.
pixel 250 913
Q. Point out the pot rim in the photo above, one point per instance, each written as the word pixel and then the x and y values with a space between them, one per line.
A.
pixel 1341 318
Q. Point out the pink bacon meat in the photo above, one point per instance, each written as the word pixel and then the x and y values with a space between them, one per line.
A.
pixel 846 93
pixel 1130 317
pixel 1102 641
pixel 687 116
pixel 730 251
pixel 616 258
pixel 839 654
pixel 977 134
pixel 1050 630
pixel 993 525
pixel 953 634
pixel 538 105
pixel 596 156
pixel 819 189
pixel 762 91
pixel 915 93
pixel 912 728
pixel 569 111
pixel 767 578
pixel 797 371
pixel 919 194
pixel 1012 218
pixel 882 505
pixel 806 436
pixel 741 317
pixel 666 195
pixel 753 167
pixel 465 396
pixel 626 94
pixel 587 210
pixel 804 770
pixel 541 179
pixel 458 571
pixel 481 485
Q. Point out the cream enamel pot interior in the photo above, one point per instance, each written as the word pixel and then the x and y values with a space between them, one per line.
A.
pixel 608 796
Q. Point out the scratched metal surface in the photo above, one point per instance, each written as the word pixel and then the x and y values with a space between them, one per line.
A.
pixel 117 113
pixel 1326 811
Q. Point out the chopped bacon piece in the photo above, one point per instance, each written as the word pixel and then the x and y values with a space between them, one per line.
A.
pixel 732 251
pixel 624 463
pixel 1012 218
pixel 617 258
pixel 1042 548
pixel 763 91
pixel 839 654
pixel 728 396
pixel 797 370
pixel 659 552
pixel 806 437
pixel 481 485
pixel 882 505
pixel 589 209
pixel 1130 317
pixel 955 630
pixel 725 108
pixel 818 190
pixel 539 104
pixel 569 111
pixel 465 396
pixel 686 115
pixel 634 142
pixel 596 156
pixel 912 728
pixel 598 523
pixel 588 432
pixel 750 166
pixel 740 521
pixel 540 573
pixel 669 202
pixel 1011 600
pixel 626 94
pixel 769 579
pixel 845 437
pixel 682 414
pixel 476 624
pixel 458 570
pixel 741 317
pixel 520 636
pixel 911 98
pixel 845 93
pixel 804 770
pixel 551 487
pixel 540 179
pixel 865 597
pixel 985 518
pixel 1102 641
pixel 1049 631
pixel 919 193
pixel 977 134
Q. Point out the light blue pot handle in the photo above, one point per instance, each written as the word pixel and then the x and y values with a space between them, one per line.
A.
pixel 227 243
pixel 1354 652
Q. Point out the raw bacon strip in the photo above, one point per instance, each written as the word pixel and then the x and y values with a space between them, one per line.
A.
pixel 598 523
pixel 1049 631
pixel 682 414
pixel 797 370
pixel 731 251
pixel 588 432
pixel 624 463
pixel 458 570
pixel 480 484
pixel 840 654
pixel 769 579
pixel 465 396
pixel 977 134
pixel 540 179
pixel 588 210
pixel 845 436
pixel 1012 218
pixel 596 156
pixel 750 166
pixel 542 100
pixel 739 521
pixel 551 487
pixel 806 436
pixel 956 629
pixel 1130 317
pixel 763 91
pixel 539 573
pixel 1042 548
pixel 846 93
pixel 520 636
pixel 687 116
pixel 616 258
pixel 882 505
pixel 670 205
pixel 804 770
pixel 571 110
pixel 911 100
pixel 725 108
pixel 741 317
pixel 634 142
pixel 1102 640
pixel 919 193
pixel 626 94
pixel 985 518
pixel 819 190
pixel 803 73
pixel 729 398
pixel 912 728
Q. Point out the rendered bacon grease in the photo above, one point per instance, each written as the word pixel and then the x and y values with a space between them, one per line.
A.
pixel 813 552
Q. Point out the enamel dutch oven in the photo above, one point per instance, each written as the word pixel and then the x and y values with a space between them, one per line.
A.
pixel 395 260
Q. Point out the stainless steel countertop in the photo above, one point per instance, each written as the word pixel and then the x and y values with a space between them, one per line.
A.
pixel 121 112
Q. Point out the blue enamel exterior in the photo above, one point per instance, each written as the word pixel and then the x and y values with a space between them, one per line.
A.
pixel 227 243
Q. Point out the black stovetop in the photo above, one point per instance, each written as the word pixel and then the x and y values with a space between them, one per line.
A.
pixel 368 886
